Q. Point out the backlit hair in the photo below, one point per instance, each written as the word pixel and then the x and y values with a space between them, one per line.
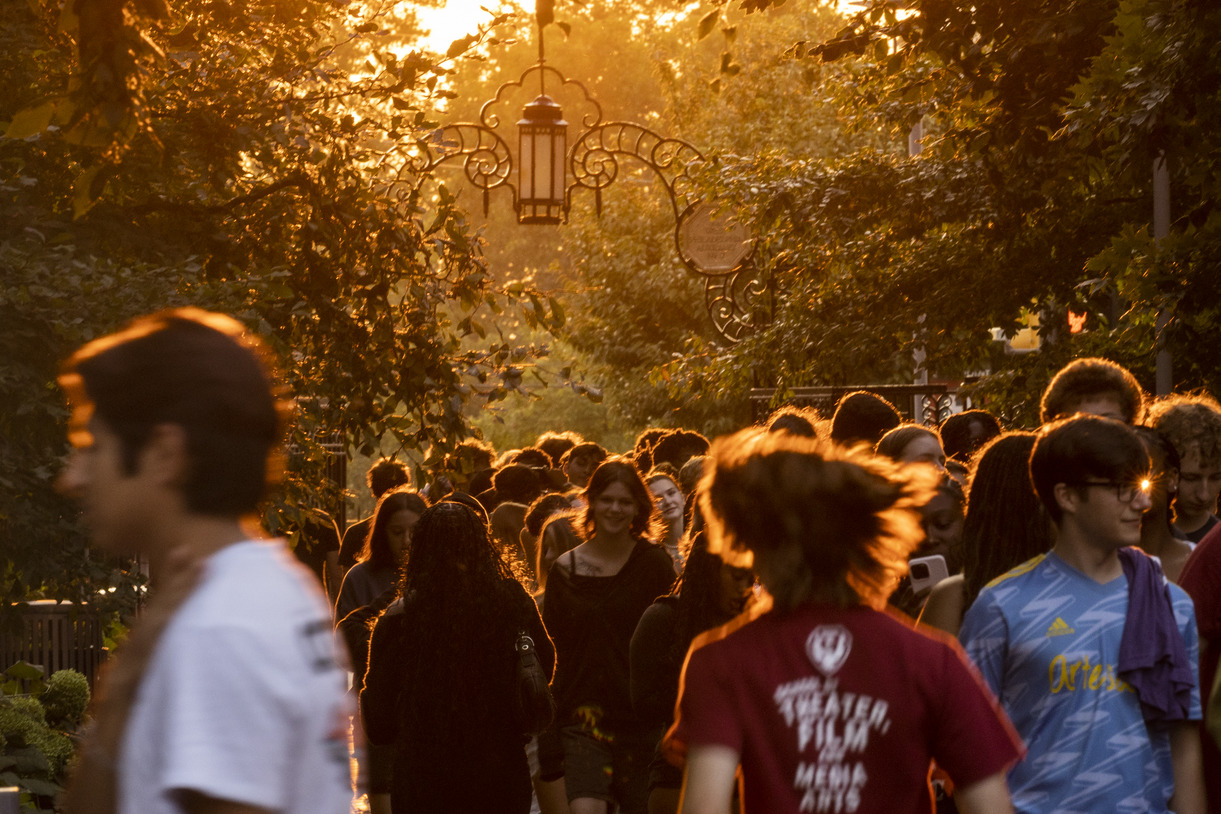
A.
pixel 956 437
pixel 1190 423
pixel 801 421
pixel 817 520
pixel 863 417
pixel 1005 523
pixel 386 475
pixel 377 547
pixel 895 441
pixel 564 524
pixel 1084 379
pixel 1082 448
pixel 203 372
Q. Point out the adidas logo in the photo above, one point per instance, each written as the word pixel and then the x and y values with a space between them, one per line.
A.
pixel 1059 628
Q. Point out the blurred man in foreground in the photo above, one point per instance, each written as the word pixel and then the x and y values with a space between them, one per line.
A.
pixel 228 697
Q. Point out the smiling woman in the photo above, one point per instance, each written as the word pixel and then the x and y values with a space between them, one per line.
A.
pixel 596 594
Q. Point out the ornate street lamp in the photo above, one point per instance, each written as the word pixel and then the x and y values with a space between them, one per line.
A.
pixel 542 152
pixel 709 243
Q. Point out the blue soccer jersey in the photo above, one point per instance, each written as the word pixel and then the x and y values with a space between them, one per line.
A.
pixel 1046 638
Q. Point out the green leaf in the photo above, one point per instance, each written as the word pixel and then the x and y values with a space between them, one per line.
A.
pixel 24 671
pixel 708 22
pixel 32 120
pixel 43 788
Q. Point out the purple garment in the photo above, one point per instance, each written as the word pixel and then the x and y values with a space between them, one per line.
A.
pixel 1152 656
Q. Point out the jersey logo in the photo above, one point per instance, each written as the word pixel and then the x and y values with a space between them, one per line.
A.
pixel 1059 628
pixel 828 647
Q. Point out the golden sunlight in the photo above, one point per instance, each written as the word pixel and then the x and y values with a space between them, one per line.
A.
pixel 454 20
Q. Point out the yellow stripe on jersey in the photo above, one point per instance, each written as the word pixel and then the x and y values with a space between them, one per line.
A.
pixel 1024 568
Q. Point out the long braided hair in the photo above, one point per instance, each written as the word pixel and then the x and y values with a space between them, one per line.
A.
pixel 697 592
pixel 1005 523
pixel 459 595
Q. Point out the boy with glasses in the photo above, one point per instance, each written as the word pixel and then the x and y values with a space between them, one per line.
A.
pixel 1092 654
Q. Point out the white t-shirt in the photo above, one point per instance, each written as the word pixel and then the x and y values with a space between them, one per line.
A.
pixel 244 699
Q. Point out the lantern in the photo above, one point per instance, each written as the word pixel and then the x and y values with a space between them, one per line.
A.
pixel 542 151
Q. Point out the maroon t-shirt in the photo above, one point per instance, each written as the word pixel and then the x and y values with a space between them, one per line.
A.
pixel 1201 579
pixel 839 710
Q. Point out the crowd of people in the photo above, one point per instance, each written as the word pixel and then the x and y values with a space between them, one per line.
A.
pixel 844 613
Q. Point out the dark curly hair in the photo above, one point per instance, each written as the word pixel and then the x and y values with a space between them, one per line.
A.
pixel 556 444
pixel 543 508
pixel 697 593
pixel 642 450
pixel 386 475
pixel 1083 379
pixel 677 447
pixel 532 457
pixel 1190 423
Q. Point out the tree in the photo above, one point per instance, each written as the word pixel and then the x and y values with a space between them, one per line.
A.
pixel 632 308
pixel 1033 191
pixel 254 158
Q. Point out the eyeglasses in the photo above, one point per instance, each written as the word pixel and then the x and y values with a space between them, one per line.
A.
pixel 1125 492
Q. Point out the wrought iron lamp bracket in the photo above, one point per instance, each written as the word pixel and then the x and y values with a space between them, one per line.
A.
pixel 594 161
pixel 487 162
pixel 735 297
pixel 491 120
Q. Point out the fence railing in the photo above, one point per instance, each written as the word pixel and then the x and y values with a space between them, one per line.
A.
pixel 922 403
pixel 56 636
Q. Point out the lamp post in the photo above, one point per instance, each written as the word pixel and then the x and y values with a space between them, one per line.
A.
pixel 710 243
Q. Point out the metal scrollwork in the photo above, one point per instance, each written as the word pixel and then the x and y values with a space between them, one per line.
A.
pixel 492 121
pixel 735 294
pixel 487 163
pixel 736 302
pixel 594 160
pixel 937 407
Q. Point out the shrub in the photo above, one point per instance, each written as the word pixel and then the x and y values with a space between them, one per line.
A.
pixel 37 730
pixel 65 698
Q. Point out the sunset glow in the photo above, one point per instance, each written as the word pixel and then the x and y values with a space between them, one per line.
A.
pixel 454 20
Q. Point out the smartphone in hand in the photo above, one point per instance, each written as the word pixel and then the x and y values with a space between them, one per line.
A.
pixel 927 572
